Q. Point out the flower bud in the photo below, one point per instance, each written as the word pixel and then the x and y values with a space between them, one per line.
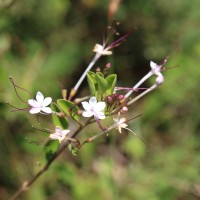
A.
pixel 159 79
pixel 114 96
pixel 98 69
pixel 108 65
pixel 124 109
pixel 109 99
pixel 120 97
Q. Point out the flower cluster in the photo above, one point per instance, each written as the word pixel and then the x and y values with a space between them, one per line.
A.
pixel 106 99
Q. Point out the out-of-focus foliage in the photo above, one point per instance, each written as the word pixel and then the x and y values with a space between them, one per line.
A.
pixel 47 44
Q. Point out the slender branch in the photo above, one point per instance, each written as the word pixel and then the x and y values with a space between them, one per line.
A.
pixel 25 186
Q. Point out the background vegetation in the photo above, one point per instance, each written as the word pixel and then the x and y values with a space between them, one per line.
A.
pixel 45 44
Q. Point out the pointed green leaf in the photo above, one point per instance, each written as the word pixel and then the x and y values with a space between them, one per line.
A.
pixel 69 108
pixel 58 121
pixel 91 78
pixel 111 80
pixel 102 83
pixel 100 74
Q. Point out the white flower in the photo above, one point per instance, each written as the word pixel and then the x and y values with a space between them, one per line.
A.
pixel 40 104
pixel 59 134
pixel 94 108
pixel 156 69
pixel 101 50
pixel 120 123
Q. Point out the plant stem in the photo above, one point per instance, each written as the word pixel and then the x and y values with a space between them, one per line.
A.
pixel 139 83
pixel 25 186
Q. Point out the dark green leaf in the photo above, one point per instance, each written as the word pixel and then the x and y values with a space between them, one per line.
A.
pixel 91 78
pixel 69 108
pixel 58 121
pixel 51 148
pixel 102 84
pixel 111 80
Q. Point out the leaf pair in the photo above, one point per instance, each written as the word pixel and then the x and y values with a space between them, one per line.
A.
pixel 100 86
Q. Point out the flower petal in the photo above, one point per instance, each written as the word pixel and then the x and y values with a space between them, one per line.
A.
pixel 34 110
pixel 86 105
pixel 53 136
pixel 33 103
pixel 58 129
pixel 39 97
pixel 47 101
pixel 93 100
pixel 159 79
pixel 153 65
pixel 100 106
pixel 101 115
pixel 65 132
pixel 47 110
pixel 87 114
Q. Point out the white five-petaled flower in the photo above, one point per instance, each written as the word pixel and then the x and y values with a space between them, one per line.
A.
pixel 94 108
pixel 40 104
pixel 101 50
pixel 59 134
pixel 156 69
pixel 120 123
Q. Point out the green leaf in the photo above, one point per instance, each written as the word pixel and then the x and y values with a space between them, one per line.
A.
pixel 100 74
pixel 58 121
pixel 111 80
pixel 50 149
pixel 102 83
pixel 91 78
pixel 69 108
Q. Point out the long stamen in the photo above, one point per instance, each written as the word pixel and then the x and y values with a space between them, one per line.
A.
pixel 16 109
pixel 139 138
pixel 129 89
pixel 15 88
pixel 44 128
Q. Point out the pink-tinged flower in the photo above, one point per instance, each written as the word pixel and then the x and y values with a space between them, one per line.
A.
pixel 59 134
pixel 101 50
pixel 156 69
pixel 40 104
pixel 120 123
pixel 94 108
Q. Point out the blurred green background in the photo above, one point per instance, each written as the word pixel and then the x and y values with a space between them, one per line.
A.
pixel 48 43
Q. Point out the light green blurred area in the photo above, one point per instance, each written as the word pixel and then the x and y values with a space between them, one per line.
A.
pixel 47 44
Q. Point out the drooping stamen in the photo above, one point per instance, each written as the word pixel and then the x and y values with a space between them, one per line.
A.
pixel 134 117
pixel 139 138
pixel 118 41
pixel 44 128
pixel 16 109
pixel 15 88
